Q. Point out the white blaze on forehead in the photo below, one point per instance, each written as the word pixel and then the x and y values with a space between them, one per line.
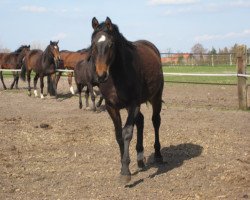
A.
pixel 102 38
pixel 55 47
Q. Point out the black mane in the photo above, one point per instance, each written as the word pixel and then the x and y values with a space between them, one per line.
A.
pixel 19 50
pixel 47 54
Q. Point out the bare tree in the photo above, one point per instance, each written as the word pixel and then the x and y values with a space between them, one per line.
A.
pixel 198 49
pixel 198 53
pixel 37 45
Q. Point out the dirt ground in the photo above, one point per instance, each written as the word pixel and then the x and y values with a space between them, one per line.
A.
pixel 50 149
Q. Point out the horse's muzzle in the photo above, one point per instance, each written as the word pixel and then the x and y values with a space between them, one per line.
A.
pixel 103 78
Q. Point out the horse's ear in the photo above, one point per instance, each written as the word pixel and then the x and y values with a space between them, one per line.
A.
pixel 109 23
pixel 95 23
pixel 51 42
pixel 29 46
pixel 57 42
pixel 88 57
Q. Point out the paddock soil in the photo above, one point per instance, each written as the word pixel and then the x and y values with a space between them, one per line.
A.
pixel 50 149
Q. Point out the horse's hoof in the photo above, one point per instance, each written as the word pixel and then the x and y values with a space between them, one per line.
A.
pixel 80 106
pixel 141 165
pixel 87 108
pixel 124 179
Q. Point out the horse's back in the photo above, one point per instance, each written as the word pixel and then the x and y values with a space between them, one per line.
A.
pixel 72 58
pixel 83 72
pixel 148 61
pixel 32 58
pixel 79 71
pixel 2 59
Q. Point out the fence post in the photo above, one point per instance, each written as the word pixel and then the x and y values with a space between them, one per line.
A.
pixel 213 60
pixel 242 81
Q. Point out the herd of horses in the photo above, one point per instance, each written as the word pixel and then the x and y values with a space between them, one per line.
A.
pixel 127 74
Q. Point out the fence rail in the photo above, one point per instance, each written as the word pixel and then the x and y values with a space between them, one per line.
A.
pixel 215 75
pixel 165 73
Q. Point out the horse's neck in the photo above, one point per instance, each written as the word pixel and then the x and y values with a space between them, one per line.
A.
pixel 46 59
pixel 122 65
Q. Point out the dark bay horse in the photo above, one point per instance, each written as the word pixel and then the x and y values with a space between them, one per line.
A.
pixel 130 74
pixel 85 76
pixel 70 59
pixel 43 63
pixel 12 61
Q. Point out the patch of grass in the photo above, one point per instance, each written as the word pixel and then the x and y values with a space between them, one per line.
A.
pixel 201 79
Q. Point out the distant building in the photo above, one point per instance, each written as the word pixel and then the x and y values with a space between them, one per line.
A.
pixel 176 59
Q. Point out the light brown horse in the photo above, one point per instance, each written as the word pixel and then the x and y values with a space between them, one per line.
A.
pixel 43 63
pixel 130 73
pixel 70 59
pixel 12 61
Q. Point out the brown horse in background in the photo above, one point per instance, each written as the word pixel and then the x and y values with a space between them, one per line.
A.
pixel 130 73
pixel 43 63
pixel 70 59
pixel 12 61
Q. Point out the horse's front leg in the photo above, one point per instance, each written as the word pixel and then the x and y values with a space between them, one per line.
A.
pixel 87 98
pixel 90 87
pixel 28 79
pixel 35 83
pixel 14 80
pixel 41 85
pixel 1 76
pixel 116 118
pixel 99 103
pixel 127 134
pixel 70 75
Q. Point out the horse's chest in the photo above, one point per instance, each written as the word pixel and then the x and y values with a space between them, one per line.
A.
pixel 119 95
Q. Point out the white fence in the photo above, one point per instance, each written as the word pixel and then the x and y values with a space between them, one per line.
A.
pixel 165 73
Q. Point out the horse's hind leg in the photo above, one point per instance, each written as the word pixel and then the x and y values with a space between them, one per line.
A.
pixel 1 76
pixel 139 145
pixel 58 78
pixel 35 83
pixel 156 119
pixel 79 88
pixel 17 79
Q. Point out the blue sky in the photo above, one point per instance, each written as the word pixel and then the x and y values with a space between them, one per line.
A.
pixel 174 25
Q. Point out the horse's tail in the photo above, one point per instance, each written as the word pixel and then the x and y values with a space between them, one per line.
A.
pixel 23 72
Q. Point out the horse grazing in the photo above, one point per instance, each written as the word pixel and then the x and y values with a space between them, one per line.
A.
pixel 70 59
pixel 43 63
pixel 12 61
pixel 130 73
pixel 85 76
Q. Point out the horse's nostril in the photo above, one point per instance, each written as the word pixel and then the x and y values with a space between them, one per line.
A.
pixel 103 77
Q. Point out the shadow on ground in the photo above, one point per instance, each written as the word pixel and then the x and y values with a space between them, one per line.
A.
pixel 173 157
